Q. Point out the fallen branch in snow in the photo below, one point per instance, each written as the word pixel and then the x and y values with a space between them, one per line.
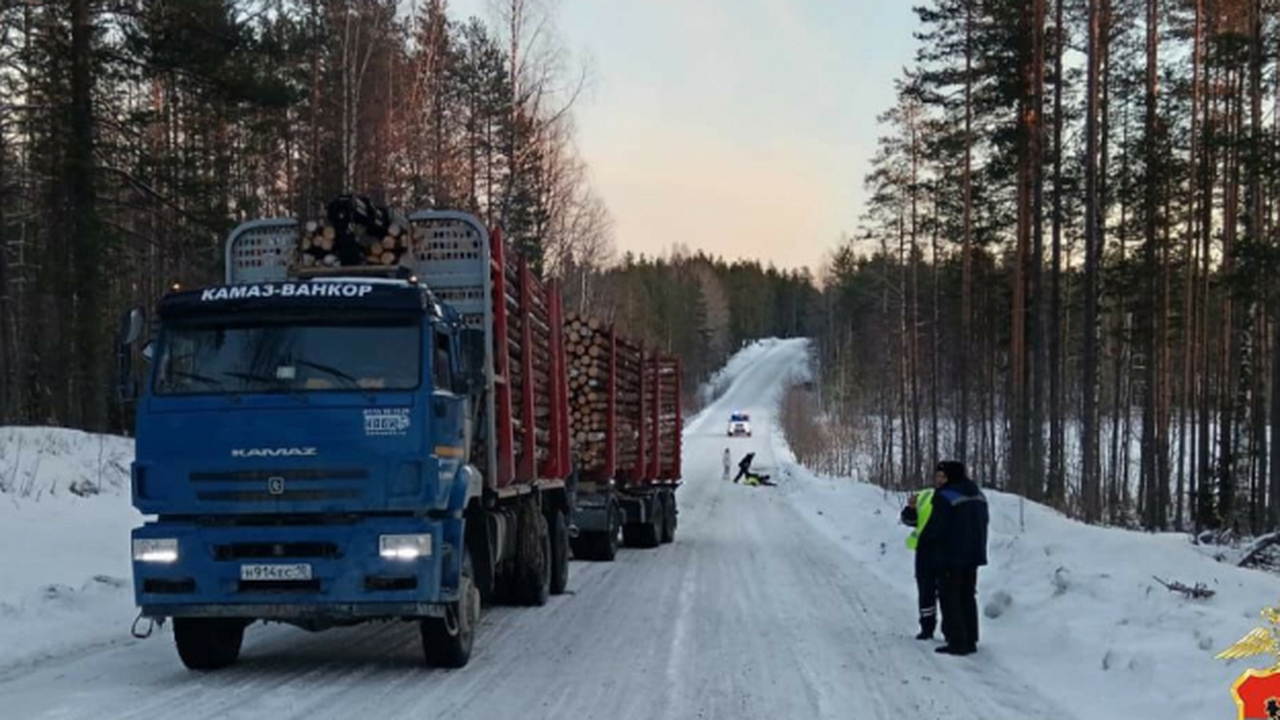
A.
pixel 1250 554
pixel 1199 592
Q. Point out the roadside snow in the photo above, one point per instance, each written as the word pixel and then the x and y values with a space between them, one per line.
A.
pixel 1074 610
pixel 65 519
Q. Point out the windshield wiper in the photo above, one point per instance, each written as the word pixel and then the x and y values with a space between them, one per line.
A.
pixel 214 382
pixel 274 382
pixel 341 375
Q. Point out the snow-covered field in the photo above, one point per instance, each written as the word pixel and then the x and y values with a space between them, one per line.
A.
pixel 1073 609
pixel 64 543
pixel 788 602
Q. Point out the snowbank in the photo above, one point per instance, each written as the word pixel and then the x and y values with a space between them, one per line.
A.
pixel 65 519
pixel 1070 607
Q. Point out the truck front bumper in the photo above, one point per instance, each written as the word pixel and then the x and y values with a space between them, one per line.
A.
pixel 348 578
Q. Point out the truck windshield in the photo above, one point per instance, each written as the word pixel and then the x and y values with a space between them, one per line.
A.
pixel 288 357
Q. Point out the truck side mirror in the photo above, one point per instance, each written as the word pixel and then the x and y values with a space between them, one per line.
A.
pixel 131 324
pixel 471 344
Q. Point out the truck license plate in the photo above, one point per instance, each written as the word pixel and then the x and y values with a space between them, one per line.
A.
pixel 300 571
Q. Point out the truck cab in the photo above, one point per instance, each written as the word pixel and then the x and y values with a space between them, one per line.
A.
pixel 310 449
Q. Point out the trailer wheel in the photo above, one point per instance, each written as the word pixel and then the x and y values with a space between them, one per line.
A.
pixel 447 641
pixel 607 544
pixel 640 535
pixel 599 546
pixel 559 553
pixel 534 570
pixel 208 643
pixel 669 516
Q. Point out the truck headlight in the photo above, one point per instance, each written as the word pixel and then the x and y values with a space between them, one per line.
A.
pixel 155 550
pixel 404 547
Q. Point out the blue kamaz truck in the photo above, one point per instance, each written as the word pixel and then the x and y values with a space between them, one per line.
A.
pixel 366 421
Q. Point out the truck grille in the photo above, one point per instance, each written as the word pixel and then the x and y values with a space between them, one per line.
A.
pixel 267 550
pixel 265 475
pixel 261 496
pixel 282 485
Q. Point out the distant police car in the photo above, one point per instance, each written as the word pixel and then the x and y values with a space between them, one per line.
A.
pixel 739 424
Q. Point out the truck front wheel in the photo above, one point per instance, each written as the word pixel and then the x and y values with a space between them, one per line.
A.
pixel 208 643
pixel 447 641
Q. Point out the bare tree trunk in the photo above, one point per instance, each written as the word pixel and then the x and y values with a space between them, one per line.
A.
pixel 914 260
pixel 89 408
pixel 1029 133
pixel 1039 306
pixel 1190 374
pixel 904 353
pixel 1150 300
pixel 1057 472
pixel 1093 253
pixel 966 282
pixel 936 332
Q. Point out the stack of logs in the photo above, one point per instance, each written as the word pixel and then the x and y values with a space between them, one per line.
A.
pixel 355 232
pixel 593 353
pixel 538 315
pixel 630 416
pixel 587 350
pixel 667 382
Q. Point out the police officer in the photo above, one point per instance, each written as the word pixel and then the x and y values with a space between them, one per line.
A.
pixel 916 515
pixel 956 537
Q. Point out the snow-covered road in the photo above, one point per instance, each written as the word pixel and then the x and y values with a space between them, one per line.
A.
pixel 752 613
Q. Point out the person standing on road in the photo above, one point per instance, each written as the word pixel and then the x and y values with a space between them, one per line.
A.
pixel 916 515
pixel 956 538
pixel 744 466
pixel 728 463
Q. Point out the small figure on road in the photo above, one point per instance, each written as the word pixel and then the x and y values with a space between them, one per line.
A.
pixel 956 538
pixel 750 478
pixel 744 466
pixel 916 515
pixel 728 463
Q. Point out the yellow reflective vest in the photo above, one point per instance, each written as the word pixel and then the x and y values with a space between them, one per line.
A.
pixel 924 508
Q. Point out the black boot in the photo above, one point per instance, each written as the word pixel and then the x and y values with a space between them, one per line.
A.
pixel 926 629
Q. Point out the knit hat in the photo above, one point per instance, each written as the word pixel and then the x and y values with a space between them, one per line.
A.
pixel 953 470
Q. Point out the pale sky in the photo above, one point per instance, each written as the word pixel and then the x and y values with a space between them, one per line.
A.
pixel 741 127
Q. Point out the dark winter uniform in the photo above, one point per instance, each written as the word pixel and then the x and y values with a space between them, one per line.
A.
pixel 926 568
pixel 744 466
pixel 956 539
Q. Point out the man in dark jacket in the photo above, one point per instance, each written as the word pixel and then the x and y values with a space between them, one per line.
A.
pixel 744 466
pixel 956 538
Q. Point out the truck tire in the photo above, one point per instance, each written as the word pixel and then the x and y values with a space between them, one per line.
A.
pixel 669 516
pixel 607 542
pixel 208 643
pixel 447 641
pixel 598 546
pixel 643 534
pixel 559 552
pixel 533 583
pixel 640 535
